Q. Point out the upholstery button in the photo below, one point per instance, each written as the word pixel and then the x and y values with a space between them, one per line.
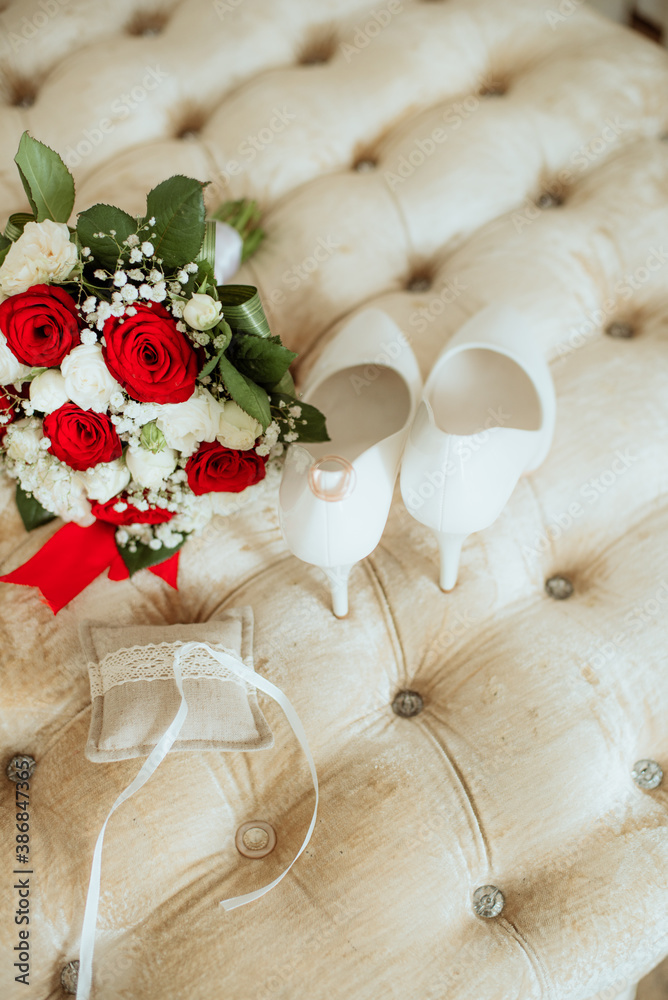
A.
pixel 492 90
pixel 419 284
pixel 365 166
pixel 647 774
pixel 548 200
pixel 559 587
pixel 488 901
pixel 70 976
pixel 21 767
pixel 619 330
pixel 255 839
pixel 407 704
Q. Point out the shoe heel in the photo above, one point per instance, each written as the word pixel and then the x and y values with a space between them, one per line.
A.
pixel 337 577
pixel 450 547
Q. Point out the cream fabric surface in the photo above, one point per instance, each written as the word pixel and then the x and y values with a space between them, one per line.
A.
pixel 461 116
pixel 134 697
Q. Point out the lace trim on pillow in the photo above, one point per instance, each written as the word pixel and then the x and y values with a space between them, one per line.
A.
pixel 156 663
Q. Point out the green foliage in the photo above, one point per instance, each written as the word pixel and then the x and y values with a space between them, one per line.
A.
pixel 251 397
pixel 264 360
pixel 244 216
pixel 104 219
pixel 243 309
pixel 310 426
pixel 178 208
pixel 46 180
pixel 32 513
pixel 144 556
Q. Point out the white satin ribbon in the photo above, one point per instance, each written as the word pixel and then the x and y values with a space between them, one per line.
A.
pixel 157 755
pixel 227 257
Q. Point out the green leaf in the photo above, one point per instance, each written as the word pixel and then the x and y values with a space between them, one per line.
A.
pixel 145 556
pixel 286 386
pixel 32 513
pixel 250 397
pixel 5 244
pixel 243 310
pixel 178 207
pixel 208 250
pixel 313 430
pixel 16 224
pixel 47 182
pixel 102 219
pixel 263 359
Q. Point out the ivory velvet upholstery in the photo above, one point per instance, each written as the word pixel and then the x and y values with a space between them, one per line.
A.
pixel 427 158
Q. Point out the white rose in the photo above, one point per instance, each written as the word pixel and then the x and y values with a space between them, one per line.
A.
pixel 237 428
pixel 11 369
pixel 229 247
pixel 150 469
pixel 47 391
pixel 105 480
pixel 185 425
pixel 23 439
pixel 202 312
pixel 88 381
pixel 42 253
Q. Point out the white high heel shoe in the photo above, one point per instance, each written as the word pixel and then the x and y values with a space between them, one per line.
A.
pixel 486 417
pixel 335 497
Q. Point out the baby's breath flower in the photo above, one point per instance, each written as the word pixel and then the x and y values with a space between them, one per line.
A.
pixel 147 249
pixel 89 304
pixel 182 276
pixel 102 275
pixel 120 279
pixel 136 274
pixel 132 240
pixel 145 291
pixel 88 337
pixel 135 255
pixel 117 309
pixel 191 268
pixel 129 293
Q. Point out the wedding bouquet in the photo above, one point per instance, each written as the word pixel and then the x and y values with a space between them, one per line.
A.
pixel 139 395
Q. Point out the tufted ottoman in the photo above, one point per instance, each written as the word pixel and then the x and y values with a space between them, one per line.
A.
pixel 426 158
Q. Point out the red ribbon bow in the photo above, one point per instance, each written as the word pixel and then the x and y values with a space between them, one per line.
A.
pixel 73 558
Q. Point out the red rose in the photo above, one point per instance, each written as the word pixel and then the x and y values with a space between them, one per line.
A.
pixel 131 514
pixel 41 325
pixel 6 410
pixel 152 360
pixel 81 438
pixel 215 469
